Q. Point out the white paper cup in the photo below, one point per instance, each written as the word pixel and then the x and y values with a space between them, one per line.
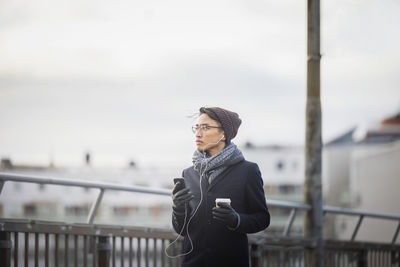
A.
pixel 225 200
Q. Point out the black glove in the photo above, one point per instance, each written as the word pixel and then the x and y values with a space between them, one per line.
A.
pixel 226 214
pixel 180 198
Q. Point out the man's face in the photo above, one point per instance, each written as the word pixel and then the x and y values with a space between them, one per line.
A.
pixel 208 138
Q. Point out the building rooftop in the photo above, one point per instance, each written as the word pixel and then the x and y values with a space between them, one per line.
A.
pixel 386 131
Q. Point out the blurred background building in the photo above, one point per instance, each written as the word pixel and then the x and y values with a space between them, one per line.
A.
pixel 361 170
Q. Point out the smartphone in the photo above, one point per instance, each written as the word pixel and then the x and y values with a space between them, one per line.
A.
pixel 181 185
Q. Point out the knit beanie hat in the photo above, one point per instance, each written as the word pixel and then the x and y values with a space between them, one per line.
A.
pixel 229 120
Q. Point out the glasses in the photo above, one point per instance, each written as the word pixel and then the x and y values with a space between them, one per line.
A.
pixel 203 127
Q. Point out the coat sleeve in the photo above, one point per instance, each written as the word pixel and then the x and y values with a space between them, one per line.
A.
pixel 257 217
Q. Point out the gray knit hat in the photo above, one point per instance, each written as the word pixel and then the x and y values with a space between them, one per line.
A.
pixel 229 120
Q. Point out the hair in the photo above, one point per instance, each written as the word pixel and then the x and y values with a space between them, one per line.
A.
pixel 210 113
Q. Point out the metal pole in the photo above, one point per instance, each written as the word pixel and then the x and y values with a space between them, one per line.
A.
pixel 313 148
pixel 255 255
pixel 353 236
pixel 1 185
pixel 5 249
pixel 104 250
pixel 289 223
pixel 95 207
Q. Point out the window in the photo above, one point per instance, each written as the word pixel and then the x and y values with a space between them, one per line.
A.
pixel 124 210
pixel 30 209
pixel 77 210
pixel 280 165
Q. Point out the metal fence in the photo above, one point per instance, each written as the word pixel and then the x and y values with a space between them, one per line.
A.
pixel 40 243
pixel 45 243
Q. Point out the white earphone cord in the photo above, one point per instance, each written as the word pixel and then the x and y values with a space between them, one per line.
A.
pixel 188 223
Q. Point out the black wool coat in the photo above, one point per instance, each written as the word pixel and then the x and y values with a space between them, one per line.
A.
pixel 214 245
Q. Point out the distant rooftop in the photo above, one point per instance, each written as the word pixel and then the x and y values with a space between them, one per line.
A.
pixel 394 120
pixel 388 130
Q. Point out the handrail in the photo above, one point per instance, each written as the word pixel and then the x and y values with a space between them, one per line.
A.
pixel 344 211
pixel 294 206
pixel 4 177
pixel 288 204
pixel 361 215
pixel 73 182
pixel 108 186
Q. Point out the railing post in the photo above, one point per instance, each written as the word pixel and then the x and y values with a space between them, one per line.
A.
pixel 1 186
pixel 353 236
pixel 103 251
pixel 395 257
pixel 396 234
pixel 5 249
pixel 95 207
pixel 289 223
pixel 362 259
pixel 255 255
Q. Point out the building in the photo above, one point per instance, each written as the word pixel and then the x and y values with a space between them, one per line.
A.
pixel 361 170
pixel 282 169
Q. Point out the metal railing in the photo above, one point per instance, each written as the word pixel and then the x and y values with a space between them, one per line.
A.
pixel 363 214
pixel 43 243
pixel 61 244
pixel 4 177
pixel 103 187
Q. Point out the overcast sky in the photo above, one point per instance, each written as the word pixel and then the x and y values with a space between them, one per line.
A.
pixel 121 78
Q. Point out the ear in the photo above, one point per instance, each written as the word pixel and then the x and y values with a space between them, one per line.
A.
pixel 223 137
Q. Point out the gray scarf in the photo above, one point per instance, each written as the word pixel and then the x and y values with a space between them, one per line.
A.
pixel 211 167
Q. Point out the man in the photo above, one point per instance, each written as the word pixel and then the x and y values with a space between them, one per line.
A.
pixel 217 236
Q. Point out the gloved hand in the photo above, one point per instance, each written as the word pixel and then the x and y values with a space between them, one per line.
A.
pixel 226 214
pixel 180 198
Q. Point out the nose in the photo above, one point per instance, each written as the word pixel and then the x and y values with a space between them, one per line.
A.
pixel 198 133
